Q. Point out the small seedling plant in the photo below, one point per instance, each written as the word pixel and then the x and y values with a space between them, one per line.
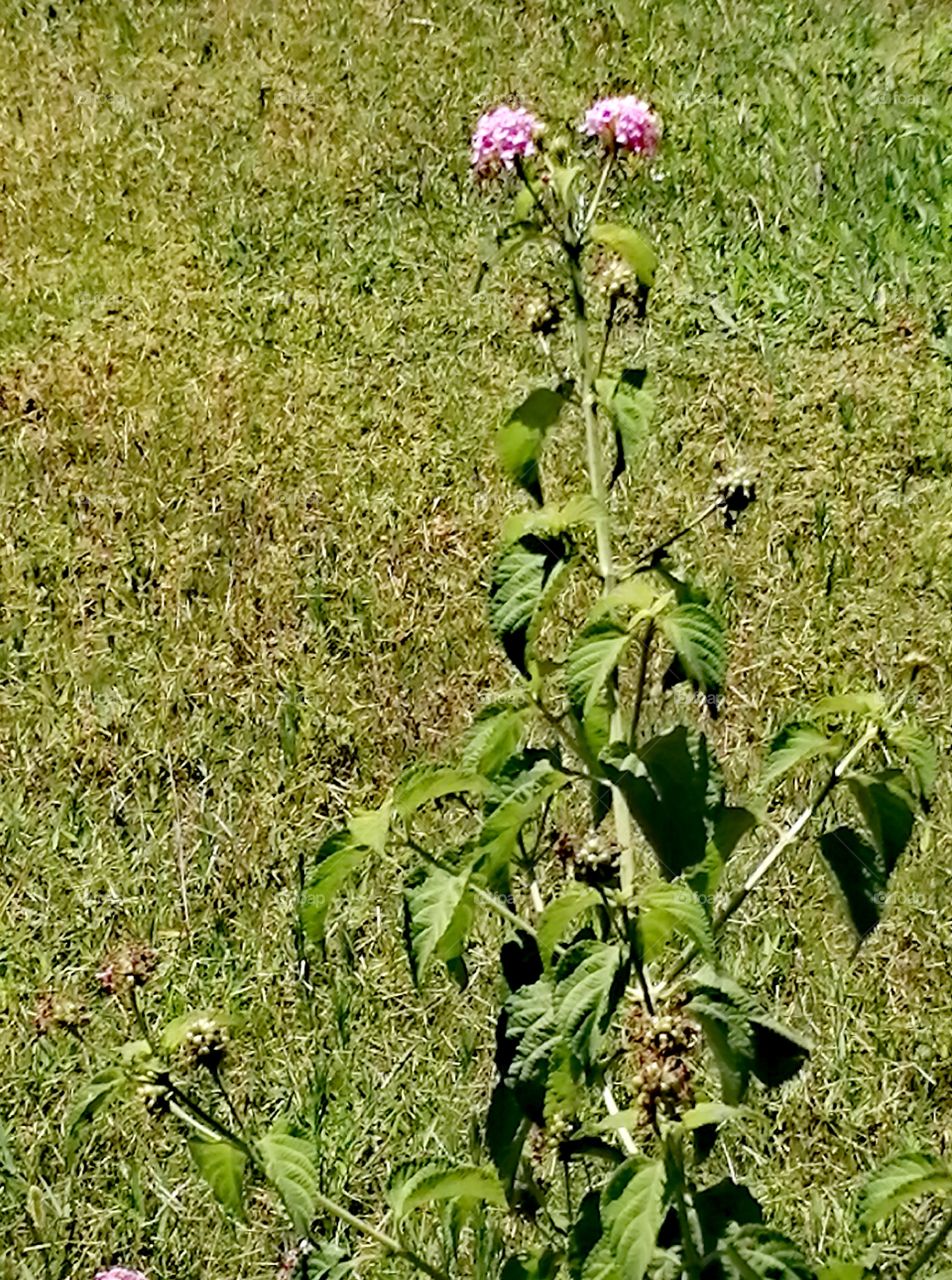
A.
pixel 583 834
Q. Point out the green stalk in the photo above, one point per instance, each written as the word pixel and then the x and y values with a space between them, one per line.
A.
pixel 603 538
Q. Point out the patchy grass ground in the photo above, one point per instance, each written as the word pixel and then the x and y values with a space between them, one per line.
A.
pixel 248 502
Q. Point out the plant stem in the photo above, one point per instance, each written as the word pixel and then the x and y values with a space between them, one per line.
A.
pixel 603 538
pixel 386 1242
pixel 599 191
pixel 484 894
pixel 930 1248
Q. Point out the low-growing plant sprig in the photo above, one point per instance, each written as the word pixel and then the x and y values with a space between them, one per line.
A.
pixel 597 839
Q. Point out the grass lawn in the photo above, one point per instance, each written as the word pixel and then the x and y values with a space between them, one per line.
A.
pixel 248 504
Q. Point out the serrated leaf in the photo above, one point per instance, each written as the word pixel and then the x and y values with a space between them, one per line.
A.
pixel 590 981
pixel 436 1183
pixel 288 1164
pixel 529 1035
pixel 507 1127
pixel 669 788
pixel 795 745
pixel 579 511
pixel 518 591
pixel 888 807
pixel 901 1179
pixel 560 913
pixel 721 1208
pixel 666 910
pixel 520 439
pixel 870 705
pixel 845 1271
pixel 439 915
pixel 98 1093
pixel 633 1208
pixel 919 749
pixel 697 637
pixel 426 782
pixel 759 1253
pixel 497 840
pixel 222 1165
pixel 492 738
pixel 561 1089
pixel 630 246
pixel 594 655
pixel 730 1039
pixel 338 858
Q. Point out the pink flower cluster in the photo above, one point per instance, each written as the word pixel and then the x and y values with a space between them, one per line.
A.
pixel 119 1273
pixel 624 123
pixel 502 135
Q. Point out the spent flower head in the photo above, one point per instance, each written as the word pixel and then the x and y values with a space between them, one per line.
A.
pixel 131 966
pixel 624 124
pixel 502 136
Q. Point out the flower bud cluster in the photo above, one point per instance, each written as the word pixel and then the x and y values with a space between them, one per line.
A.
pixel 205 1043
pixel 660 1047
pixel 154 1094
pixel 544 316
pixel 132 966
pixel 736 491
pixel 596 860
pixel 56 1011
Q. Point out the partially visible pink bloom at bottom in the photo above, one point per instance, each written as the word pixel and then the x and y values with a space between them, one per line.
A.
pixel 119 1273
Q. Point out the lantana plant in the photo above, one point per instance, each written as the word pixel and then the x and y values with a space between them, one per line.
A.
pixel 584 833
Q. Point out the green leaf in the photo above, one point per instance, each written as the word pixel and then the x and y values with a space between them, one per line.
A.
pixel 630 246
pixel 729 1036
pixel 705 1113
pixel 669 790
pixel 758 1253
pixel 901 1179
pixel 562 1092
pixel 497 840
pixel 888 807
pixel 338 858
pixel 518 590
pixel 665 910
pixel 98 1093
pixel 507 1127
pixel 630 406
pixel 370 828
pixel 633 1208
pixel 520 439
pixel 590 982
pixel 919 749
pixel 594 655
pixel 530 1035
pixel 579 511
pixel 870 705
pixel 425 782
pixel 560 913
pixel 288 1164
pixel 638 593
pixel 444 1182
pixel 492 738
pixel 222 1165
pixel 698 639
pixel 439 914
pixel 844 1271
pixel 794 745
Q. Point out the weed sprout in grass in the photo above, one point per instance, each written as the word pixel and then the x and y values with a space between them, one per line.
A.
pixel 585 827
